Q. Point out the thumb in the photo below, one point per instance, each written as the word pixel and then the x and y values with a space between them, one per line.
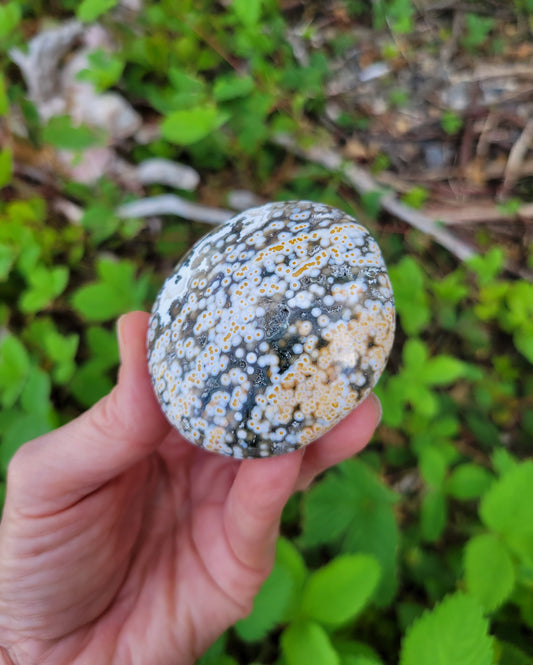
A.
pixel 59 468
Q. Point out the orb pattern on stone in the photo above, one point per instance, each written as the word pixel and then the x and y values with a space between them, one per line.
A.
pixel 271 329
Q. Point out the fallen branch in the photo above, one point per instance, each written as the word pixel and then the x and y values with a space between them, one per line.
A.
pixel 516 158
pixel 479 213
pixel 171 204
pixel 363 182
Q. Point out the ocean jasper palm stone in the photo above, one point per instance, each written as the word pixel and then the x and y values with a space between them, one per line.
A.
pixel 271 329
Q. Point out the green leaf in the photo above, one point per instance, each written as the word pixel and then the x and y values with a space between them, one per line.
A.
pixel 371 202
pixel 105 70
pixel 35 396
pixel 100 222
pixel 7 258
pixel 306 642
pixel 503 461
pixel 104 347
pixel 117 292
pixel 6 167
pixel 269 607
pixel 451 122
pixel 99 302
pixel 477 30
pixel 328 510
pixel 10 15
pixel 90 383
pixel 45 285
pixel 4 101
pixel 188 126
pixel 279 592
pixel 523 341
pixel 35 418
pixel 487 266
pixel 62 134
pixel 415 355
pixel 353 506
pixel 290 558
pixel 442 370
pixel 453 633
pixel 232 86
pixel 416 197
pixel 355 653
pixel 89 10
pixel 507 508
pixel 400 15
pixel 468 481
pixel 433 515
pixel 410 294
pixel 338 591
pixel 247 11
pixel 24 427
pixel 189 86
pixel 433 465
pixel 14 370
pixel 489 570
pixel 58 349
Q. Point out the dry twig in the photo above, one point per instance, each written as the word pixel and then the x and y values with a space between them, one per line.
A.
pixel 363 182
pixel 516 158
pixel 171 204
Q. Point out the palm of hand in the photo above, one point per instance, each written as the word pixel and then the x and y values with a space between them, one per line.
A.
pixel 149 561
pixel 121 543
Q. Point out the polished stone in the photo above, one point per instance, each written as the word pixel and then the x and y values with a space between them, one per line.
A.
pixel 271 329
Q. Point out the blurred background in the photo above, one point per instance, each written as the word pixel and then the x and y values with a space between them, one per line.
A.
pixel 130 128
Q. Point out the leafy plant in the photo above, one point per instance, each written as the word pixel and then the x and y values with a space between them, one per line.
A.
pixel 118 290
pixel 477 30
pixel 451 122
pixel 453 632
pixel 420 549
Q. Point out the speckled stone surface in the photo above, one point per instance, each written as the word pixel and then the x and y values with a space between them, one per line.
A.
pixel 271 329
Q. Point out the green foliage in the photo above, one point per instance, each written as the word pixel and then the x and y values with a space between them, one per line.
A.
pixel 307 642
pixel 410 295
pixel 416 197
pixel 416 381
pixel 105 70
pixel 421 547
pixel 451 122
pixel 190 125
pixel 336 593
pixel 352 509
pixel 4 102
pixel 278 595
pixel 398 15
pixel 489 570
pixel 10 16
pixel 6 167
pixel 507 509
pixel 14 369
pixel 89 10
pixel 93 379
pixel 61 133
pixel 118 290
pixel 44 284
pixel 477 30
pixel 453 632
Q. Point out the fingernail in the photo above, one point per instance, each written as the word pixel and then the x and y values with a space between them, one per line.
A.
pixel 120 336
pixel 379 408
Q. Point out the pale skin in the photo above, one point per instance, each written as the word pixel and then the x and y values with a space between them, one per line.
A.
pixel 123 544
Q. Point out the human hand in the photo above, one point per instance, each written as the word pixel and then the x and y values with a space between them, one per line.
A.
pixel 123 544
